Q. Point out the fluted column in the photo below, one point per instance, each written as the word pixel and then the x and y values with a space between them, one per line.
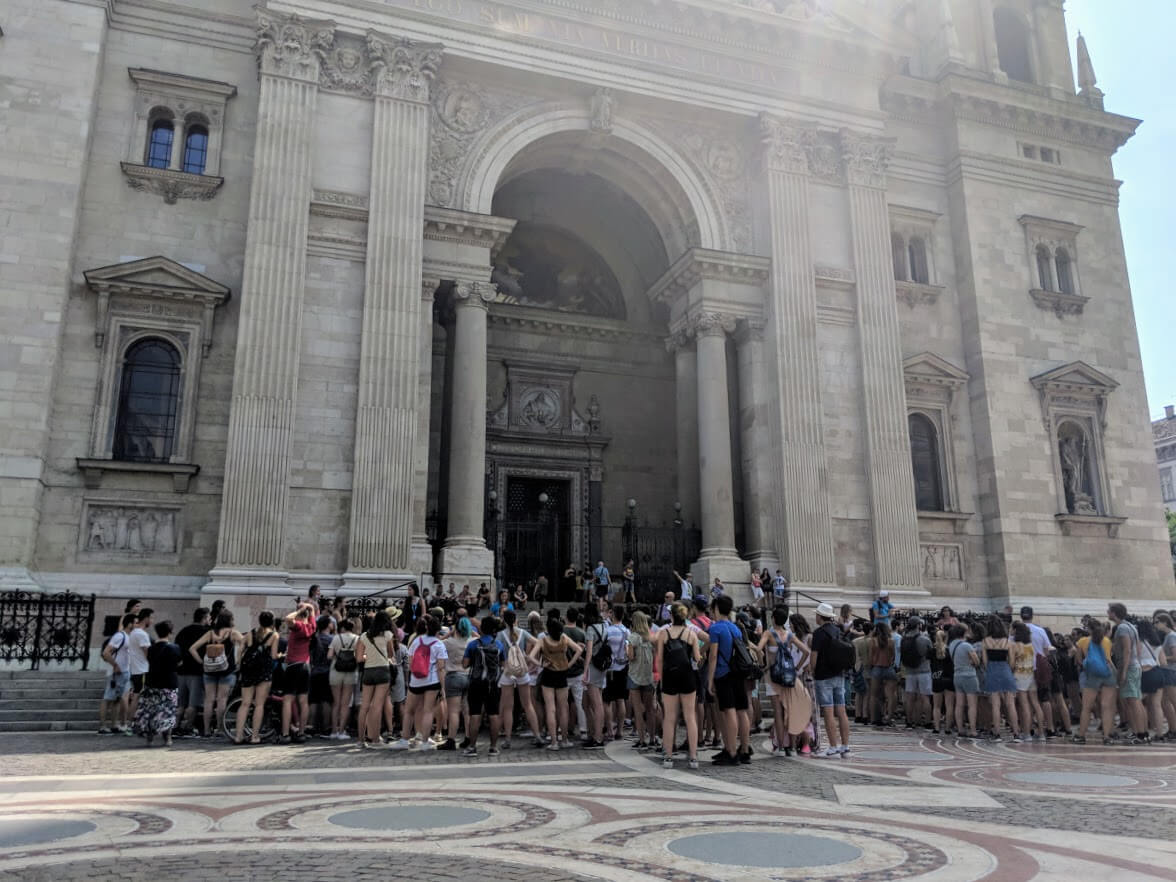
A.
pixel 756 469
pixel 714 435
pixel 464 554
pixel 888 459
pixel 422 551
pixel 686 400
pixel 803 532
pixel 265 377
pixel 382 497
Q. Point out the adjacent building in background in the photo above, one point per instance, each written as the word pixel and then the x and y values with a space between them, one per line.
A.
pixel 355 293
pixel 1164 433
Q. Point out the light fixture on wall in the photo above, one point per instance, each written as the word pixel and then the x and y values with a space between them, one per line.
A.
pixel 543 498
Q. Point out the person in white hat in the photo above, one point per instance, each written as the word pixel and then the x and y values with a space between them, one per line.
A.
pixel 831 658
pixel 880 609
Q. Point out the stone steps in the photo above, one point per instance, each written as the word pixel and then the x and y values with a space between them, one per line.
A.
pixel 50 701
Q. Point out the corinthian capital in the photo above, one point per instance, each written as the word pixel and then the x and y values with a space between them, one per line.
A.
pixel 403 68
pixel 712 324
pixel 786 143
pixel 866 158
pixel 475 294
pixel 292 46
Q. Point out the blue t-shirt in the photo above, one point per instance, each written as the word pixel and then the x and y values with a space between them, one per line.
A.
pixel 723 634
pixel 881 609
pixel 484 640
pixel 497 608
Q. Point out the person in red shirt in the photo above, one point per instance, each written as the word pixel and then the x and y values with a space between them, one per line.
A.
pixel 300 631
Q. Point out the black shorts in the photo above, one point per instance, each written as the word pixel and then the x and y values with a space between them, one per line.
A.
pixel 137 683
pixel 421 690
pixel 731 692
pixel 297 679
pixel 320 688
pixel 616 685
pixel 484 697
pixel 602 590
pixel 554 679
pixel 679 683
pixel 940 685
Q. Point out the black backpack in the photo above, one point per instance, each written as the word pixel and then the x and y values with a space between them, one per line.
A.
pixel 676 657
pixel 486 662
pixel 318 652
pixel 345 661
pixel 256 659
pixel 742 663
pixel 840 651
pixel 602 655
pixel 908 651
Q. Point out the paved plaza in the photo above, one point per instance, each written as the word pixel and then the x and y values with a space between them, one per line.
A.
pixel 78 807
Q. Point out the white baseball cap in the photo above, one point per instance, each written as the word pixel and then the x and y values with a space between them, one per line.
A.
pixel 824 610
pixel 882 592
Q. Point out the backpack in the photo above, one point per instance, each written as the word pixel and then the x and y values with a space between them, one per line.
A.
pixel 1096 663
pixel 345 661
pixel 486 662
pixel 676 657
pixel 516 660
pixel 602 655
pixel 783 672
pixel 840 652
pixel 742 663
pixel 216 658
pixel 422 659
pixel 254 659
pixel 908 652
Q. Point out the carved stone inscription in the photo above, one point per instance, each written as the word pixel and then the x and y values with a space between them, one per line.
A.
pixel 129 530
pixel 942 563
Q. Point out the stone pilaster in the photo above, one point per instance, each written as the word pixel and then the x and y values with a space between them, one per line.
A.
pixel 465 555
pixel 754 407
pixel 803 532
pixel 387 420
pixel 250 553
pixel 422 551
pixel 686 400
pixel 888 457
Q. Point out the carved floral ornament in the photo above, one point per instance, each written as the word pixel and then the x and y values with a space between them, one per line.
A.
pixel 866 158
pixel 292 46
pixel 403 69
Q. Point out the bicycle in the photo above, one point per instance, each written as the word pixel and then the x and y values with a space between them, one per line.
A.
pixel 271 720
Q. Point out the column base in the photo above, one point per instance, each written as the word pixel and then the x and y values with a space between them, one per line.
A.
pixel 420 561
pixel 229 581
pixel 18 579
pixel 725 563
pixel 763 560
pixel 361 584
pixel 464 563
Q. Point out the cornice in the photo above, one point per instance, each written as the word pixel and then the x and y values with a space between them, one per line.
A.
pixel 467 228
pixel 1058 303
pixel 172 185
pixel 183 22
pixel 697 264
pixel 546 321
pixel 339 204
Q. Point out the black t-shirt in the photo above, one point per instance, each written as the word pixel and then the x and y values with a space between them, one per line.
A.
pixel 187 637
pixel 164 660
pixel 822 637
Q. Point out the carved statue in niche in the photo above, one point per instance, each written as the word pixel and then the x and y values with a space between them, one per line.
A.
pixel 600 111
pixel 547 267
pixel 594 414
pixel 1073 449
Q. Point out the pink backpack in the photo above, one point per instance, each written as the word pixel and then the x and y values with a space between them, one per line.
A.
pixel 422 659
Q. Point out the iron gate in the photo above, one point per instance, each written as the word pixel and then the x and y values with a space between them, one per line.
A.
pixel 46 627
pixel 656 553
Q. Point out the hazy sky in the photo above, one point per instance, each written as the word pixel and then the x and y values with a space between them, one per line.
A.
pixel 1130 45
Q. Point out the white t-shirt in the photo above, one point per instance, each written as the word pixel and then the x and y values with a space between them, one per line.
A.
pixel 687 590
pixel 617 636
pixel 437 651
pixel 1039 639
pixel 121 642
pixel 137 645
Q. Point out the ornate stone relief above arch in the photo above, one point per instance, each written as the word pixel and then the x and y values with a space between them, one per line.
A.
pixel 291 46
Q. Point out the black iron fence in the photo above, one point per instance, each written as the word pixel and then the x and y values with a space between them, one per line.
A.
pixel 45 627
pixel 656 552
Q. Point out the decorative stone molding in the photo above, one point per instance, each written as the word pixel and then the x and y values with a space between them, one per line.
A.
pixel 337 204
pixel 170 184
pixel 403 69
pixel 548 323
pixel 697 264
pixel 786 143
pixel 478 295
pixel 1072 525
pixel 93 469
pixel 944 521
pixel 711 324
pixel 121 530
pixel 866 158
pixel 932 386
pixel 292 46
pixel 914 294
pixel 942 562
pixel 749 330
pixel 1059 304
pixel 467 228
pixel 600 111
pixel 347 68
pixel 835 276
pixel 842 316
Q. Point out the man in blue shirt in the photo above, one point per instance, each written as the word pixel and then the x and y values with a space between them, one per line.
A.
pixel 880 608
pixel 602 578
pixel 484 695
pixel 729 689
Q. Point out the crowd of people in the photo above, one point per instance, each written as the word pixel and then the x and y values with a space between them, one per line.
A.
pixel 673 678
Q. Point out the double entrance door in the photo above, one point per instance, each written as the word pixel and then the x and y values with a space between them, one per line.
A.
pixel 536 536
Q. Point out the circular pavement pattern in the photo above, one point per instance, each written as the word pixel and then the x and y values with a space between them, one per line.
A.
pixel 338 863
pixel 408 817
pixel 19 833
pixel 1072 779
pixel 747 849
pixel 900 756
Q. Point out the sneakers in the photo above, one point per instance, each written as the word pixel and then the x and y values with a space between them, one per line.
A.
pixel 828 752
pixel 492 752
pixel 745 756
pixel 424 746
pixel 470 751
pixel 1078 739
pixel 593 745
pixel 843 750
pixel 105 731
pixel 667 763
pixel 447 744
pixel 504 744
pixel 553 746
pixel 566 744
pixel 806 751
pixel 1017 739
pixel 725 759
pixel 693 764
pixel 400 744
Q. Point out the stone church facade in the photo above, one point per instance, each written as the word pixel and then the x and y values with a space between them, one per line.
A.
pixel 357 292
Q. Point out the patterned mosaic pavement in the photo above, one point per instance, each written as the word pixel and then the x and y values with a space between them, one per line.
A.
pixel 77 807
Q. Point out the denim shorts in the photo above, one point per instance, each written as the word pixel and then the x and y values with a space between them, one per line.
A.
pixel 831 692
pixel 211 681
pixel 882 672
pixel 919 684
pixel 966 683
pixel 117 685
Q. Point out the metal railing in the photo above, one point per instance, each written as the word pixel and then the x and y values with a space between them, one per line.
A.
pixel 46 627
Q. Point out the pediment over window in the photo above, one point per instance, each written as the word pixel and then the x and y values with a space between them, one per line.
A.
pixel 1076 378
pixel 927 367
pixel 156 286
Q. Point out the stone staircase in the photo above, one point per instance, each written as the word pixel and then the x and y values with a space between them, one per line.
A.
pixel 50 701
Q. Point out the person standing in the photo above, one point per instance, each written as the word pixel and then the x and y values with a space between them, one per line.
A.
pixel 541 591
pixel 300 630
pixel 678 658
pixel 375 650
pixel 616 688
pixel 116 697
pixel 344 665
pixel 483 658
pixel 191 674
pixel 139 641
pixel 1127 653
pixel 915 651
pixel 256 675
pixel 156 711
pixel 881 608
pixel 426 684
pixel 629 578
pixel 664 612
pixel 602 580
pixel 556 652
pixel 728 686
pixel 829 680
pixel 998 677
pixel 221 649
pixel 780 588
pixel 717 590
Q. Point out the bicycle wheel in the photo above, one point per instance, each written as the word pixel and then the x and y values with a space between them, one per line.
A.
pixel 229 720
